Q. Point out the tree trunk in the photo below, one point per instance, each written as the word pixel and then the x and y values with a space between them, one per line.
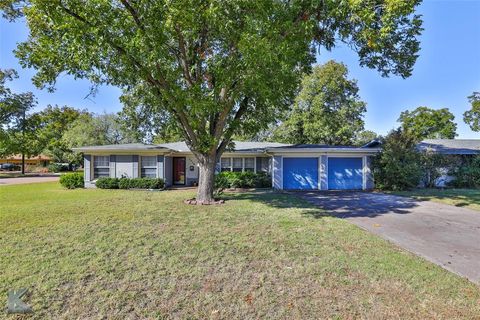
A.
pixel 23 163
pixel 206 179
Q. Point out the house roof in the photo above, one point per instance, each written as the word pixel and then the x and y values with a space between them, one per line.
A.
pixel 451 146
pixel 121 147
pixel 240 146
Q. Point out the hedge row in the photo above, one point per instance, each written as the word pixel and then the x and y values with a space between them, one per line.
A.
pixel 229 179
pixel 126 183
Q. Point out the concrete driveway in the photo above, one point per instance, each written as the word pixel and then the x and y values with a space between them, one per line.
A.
pixel 25 180
pixel 446 235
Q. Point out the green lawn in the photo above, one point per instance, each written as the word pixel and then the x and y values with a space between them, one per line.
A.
pixel 469 198
pixel 132 254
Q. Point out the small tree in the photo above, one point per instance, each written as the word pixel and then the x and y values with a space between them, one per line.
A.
pixel 397 166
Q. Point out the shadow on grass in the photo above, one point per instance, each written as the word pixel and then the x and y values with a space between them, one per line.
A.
pixel 279 200
pixel 342 204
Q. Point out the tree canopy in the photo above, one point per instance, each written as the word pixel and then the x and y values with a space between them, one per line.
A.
pixel 216 67
pixel 364 137
pixel 327 109
pixel 427 123
pixel 472 116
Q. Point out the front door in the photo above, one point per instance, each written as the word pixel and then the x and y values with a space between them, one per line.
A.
pixel 179 170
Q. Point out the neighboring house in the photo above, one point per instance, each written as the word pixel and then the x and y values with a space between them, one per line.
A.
pixel 292 167
pixel 40 160
pixel 463 149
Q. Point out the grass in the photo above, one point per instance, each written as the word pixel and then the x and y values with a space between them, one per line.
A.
pixel 128 254
pixel 469 198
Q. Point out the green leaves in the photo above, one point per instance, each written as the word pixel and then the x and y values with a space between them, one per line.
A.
pixel 427 123
pixel 472 116
pixel 194 61
pixel 327 109
pixel 216 67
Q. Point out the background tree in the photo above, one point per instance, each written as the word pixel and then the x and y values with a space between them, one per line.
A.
pixel 427 123
pixel 327 109
pixel 92 129
pixel 472 116
pixel 397 166
pixel 17 126
pixel 54 121
pixel 216 67
pixel 364 137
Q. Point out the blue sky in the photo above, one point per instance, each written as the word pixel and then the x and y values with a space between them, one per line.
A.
pixel 447 71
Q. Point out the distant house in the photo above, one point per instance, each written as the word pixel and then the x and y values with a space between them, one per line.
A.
pixel 292 167
pixel 40 160
pixel 462 150
pixel 464 147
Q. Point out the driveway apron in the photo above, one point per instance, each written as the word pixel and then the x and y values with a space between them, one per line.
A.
pixel 443 234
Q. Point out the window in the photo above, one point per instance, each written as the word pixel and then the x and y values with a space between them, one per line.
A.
pixel 263 164
pixel 249 164
pixel 225 164
pixel 148 166
pixel 101 166
pixel 237 164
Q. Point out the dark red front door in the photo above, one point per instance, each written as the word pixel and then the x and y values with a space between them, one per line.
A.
pixel 179 170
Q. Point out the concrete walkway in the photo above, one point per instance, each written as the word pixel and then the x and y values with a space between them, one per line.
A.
pixel 443 234
pixel 25 180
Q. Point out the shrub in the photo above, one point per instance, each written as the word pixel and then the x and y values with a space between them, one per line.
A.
pixel 263 180
pixel 398 165
pixel 229 179
pixel 107 183
pixel 141 183
pixel 72 180
pixel 124 183
pixel 466 175
pixel 220 184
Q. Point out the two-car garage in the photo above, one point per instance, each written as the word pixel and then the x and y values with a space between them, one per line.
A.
pixel 340 173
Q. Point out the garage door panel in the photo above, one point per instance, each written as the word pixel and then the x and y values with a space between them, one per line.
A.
pixel 345 173
pixel 300 173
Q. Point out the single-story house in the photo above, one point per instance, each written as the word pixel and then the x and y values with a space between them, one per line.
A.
pixel 40 160
pixel 464 147
pixel 460 149
pixel 292 167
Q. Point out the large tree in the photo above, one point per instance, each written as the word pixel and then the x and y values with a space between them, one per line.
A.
pixel 216 67
pixel 327 110
pixel 472 116
pixel 427 123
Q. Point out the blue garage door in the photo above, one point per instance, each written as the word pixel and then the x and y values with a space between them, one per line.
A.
pixel 300 173
pixel 345 173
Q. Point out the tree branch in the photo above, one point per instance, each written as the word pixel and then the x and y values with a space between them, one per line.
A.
pixel 229 132
pixel 183 56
